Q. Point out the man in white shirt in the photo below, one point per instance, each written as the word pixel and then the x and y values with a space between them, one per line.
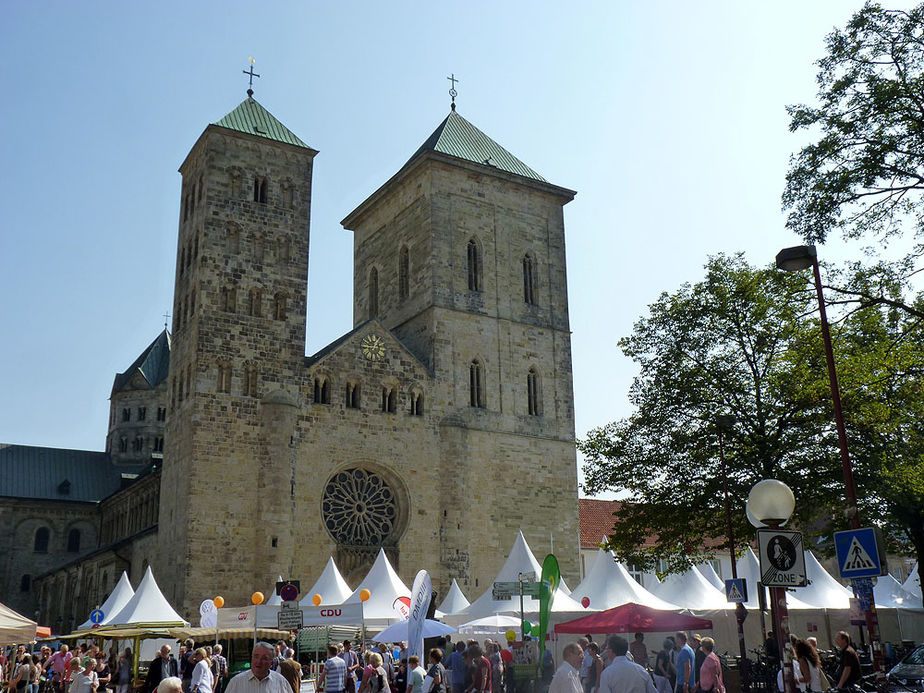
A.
pixel 586 660
pixel 567 677
pixel 260 678
pixel 623 675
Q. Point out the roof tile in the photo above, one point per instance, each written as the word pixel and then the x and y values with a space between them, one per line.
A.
pixel 250 117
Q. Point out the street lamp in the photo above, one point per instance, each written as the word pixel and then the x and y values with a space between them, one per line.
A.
pixel 771 503
pixel 724 423
pixel 796 259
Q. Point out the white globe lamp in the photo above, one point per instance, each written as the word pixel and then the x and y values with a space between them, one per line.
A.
pixel 771 502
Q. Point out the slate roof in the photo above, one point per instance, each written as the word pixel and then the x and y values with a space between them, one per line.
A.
pixel 252 118
pixel 457 137
pixel 34 472
pixel 153 363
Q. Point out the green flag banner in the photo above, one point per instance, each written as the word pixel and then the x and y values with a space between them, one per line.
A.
pixel 551 576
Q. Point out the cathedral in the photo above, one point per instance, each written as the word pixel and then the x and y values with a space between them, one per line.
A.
pixel 437 427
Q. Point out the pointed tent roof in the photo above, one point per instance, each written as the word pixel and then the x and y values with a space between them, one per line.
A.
pixel 823 591
pixel 913 584
pixel 251 118
pixel 147 606
pixel 14 627
pixel 711 576
pixel 691 591
pixel 384 587
pixel 609 584
pixel 275 599
pixel 331 586
pixel 457 137
pixel 454 601
pixel 115 602
pixel 153 364
pixel 890 594
pixel 520 560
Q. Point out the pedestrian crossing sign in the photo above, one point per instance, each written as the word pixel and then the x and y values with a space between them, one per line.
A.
pixel 860 553
pixel 736 590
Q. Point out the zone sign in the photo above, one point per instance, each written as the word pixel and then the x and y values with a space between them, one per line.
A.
pixel 782 558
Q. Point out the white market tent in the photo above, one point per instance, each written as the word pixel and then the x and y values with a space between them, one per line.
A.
pixel 520 560
pixel 384 587
pixel 148 607
pixel 564 587
pixel 890 594
pixel 15 628
pixel 913 584
pixel 331 586
pixel 711 576
pixel 115 602
pixel 454 601
pixel 274 599
pixel 490 625
pixel 823 591
pixel 690 590
pixel 609 584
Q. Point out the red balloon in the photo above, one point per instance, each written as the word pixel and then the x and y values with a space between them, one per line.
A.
pixel 506 655
pixel 585 602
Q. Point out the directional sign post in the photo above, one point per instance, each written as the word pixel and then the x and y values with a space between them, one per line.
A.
pixel 96 616
pixel 736 590
pixel 782 558
pixel 860 553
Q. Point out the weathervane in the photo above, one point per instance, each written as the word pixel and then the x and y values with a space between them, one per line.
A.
pixel 252 75
pixel 452 91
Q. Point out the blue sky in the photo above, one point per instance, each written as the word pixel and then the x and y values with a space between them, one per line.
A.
pixel 668 119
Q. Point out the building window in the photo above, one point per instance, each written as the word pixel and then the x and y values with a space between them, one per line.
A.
pixel 529 284
pixel 159 444
pixel 258 246
pixel 373 292
pixel 532 393
pixel 416 404
pixel 321 391
pixel 250 381
pixel 161 413
pixel 389 398
pixel 228 299
pixel 73 541
pixel 285 249
pixel 637 575
pixel 352 396
pixel 25 583
pixel 404 272
pixel 279 306
pixel 224 377
pixel 260 186
pixel 233 239
pixel 142 413
pixel 123 444
pixel 255 306
pixel 474 266
pixel 182 260
pixel 476 384
pixel 138 444
pixel 42 535
pixel 126 414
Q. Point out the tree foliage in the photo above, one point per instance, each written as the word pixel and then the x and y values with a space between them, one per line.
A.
pixel 746 342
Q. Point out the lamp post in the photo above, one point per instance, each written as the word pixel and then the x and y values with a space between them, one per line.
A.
pixel 724 423
pixel 771 502
pixel 796 259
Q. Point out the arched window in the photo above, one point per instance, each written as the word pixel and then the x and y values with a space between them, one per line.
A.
pixel 123 444
pixel 534 403
pixel 474 266
pixel 476 384
pixel 352 396
pixel 284 250
pixel 389 398
pixel 73 541
pixel 321 391
pixel 224 377
pixel 260 186
pixel 42 535
pixel 529 284
pixel 232 239
pixel 404 272
pixel 416 404
pixel 25 583
pixel 373 292
pixel 250 381
pixel 228 299
pixel 255 306
pixel 279 306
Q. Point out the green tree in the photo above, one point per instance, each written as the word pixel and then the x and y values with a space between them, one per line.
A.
pixel 864 172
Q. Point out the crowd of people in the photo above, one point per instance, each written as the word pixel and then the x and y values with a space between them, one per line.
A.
pixel 85 669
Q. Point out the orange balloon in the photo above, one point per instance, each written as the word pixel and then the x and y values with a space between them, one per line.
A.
pixel 219 602
pixel 316 600
pixel 256 598
pixel 364 595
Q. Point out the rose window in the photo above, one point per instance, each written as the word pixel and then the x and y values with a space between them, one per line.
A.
pixel 359 508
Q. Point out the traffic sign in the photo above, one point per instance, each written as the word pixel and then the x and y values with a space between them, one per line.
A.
pixel 289 592
pixel 860 553
pixel 863 589
pixel 782 558
pixel 97 616
pixel 290 619
pixel 736 590
pixel 507 589
pixel 281 585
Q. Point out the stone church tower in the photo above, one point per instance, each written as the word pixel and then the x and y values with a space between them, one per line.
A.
pixel 436 428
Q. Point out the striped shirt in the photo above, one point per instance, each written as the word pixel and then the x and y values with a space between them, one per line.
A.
pixel 334 673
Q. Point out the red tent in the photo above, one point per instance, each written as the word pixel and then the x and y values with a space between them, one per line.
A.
pixel 633 618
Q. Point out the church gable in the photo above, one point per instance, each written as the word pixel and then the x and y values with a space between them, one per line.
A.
pixel 368 368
